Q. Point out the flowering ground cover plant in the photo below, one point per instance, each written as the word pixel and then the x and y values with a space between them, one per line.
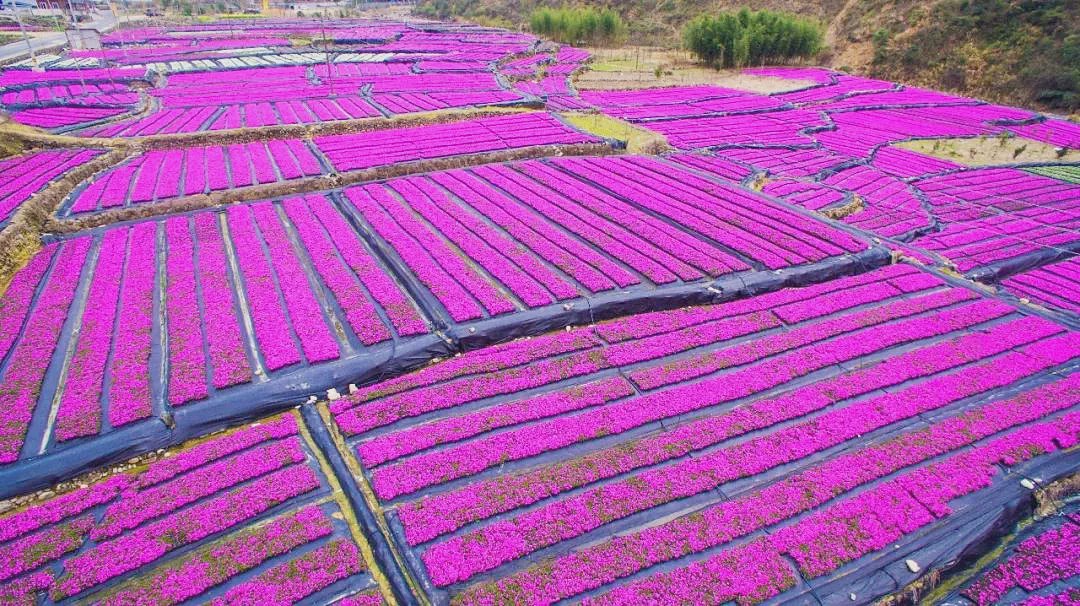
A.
pixel 750 364
pixel 25 174
pixel 576 464
pixel 248 516
pixel 379 148
pixel 144 318
pixel 499 238
pixel 1055 286
pixel 1040 569
pixel 838 133
pixel 161 175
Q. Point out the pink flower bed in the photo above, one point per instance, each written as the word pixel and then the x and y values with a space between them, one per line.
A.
pixel 26 174
pixel 543 446
pixel 1055 286
pixel 891 206
pixel 677 102
pixel 161 175
pixel 1035 563
pixel 994 215
pixel 236 298
pixel 378 148
pixel 235 507
pixel 489 240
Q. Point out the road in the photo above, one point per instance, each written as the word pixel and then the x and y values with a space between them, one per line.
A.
pixel 17 50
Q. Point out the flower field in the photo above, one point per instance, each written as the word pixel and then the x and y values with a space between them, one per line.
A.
pixel 366 150
pixel 248 515
pixel 365 312
pixel 597 428
pixel 163 175
pixel 26 174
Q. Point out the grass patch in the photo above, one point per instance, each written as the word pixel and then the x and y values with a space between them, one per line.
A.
pixel 1069 174
pixel 638 140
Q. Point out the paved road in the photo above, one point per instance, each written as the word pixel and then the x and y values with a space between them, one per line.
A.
pixel 17 50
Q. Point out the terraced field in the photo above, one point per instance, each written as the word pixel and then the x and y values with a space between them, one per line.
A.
pixel 379 319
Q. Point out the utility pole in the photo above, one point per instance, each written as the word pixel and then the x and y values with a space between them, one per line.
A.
pixel 22 30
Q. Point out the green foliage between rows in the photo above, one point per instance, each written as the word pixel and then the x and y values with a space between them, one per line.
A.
pixel 584 25
pixel 751 38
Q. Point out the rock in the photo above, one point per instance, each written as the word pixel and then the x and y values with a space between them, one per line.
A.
pixel 353 388
pixel 851 596
pixel 1026 483
pixel 332 394
pixel 912 565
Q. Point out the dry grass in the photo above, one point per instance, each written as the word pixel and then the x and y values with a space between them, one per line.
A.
pixel 989 151
pixel 638 140
pixel 648 67
pixel 28 136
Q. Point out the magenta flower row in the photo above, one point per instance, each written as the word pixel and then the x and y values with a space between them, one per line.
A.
pixel 187 361
pixel 521 272
pixel 723 522
pixel 461 557
pixel 316 339
pixel 24 175
pixel 349 293
pixel 435 264
pixel 228 361
pixel 378 148
pixel 395 399
pixel 212 566
pixel 577 260
pixel 291 581
pixel 196 170
pixel 396 445
pixel 30 357
pixel 111 558
pixel 1037 562
pixel 447 511
pixel 488 359
pixel 661 251
pixel 1054 285
pixel 79 413
pixel 735 217
pixel 195 485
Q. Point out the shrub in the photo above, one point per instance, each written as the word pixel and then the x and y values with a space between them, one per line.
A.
pixel 751 38
pixel 585 25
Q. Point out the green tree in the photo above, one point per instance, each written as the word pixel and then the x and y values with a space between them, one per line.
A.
pixel 585 25
pixel 751 38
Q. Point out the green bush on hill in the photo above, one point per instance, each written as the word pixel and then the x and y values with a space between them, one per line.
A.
pixel 1016 51
pixel 751 38
pixel 585 25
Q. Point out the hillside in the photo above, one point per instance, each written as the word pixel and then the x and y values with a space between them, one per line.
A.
pixel 1022 52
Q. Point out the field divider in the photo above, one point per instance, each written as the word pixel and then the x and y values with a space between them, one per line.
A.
pixel 358 503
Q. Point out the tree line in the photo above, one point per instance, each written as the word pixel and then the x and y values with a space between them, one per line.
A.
pixel 585 25
pixel 752 38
